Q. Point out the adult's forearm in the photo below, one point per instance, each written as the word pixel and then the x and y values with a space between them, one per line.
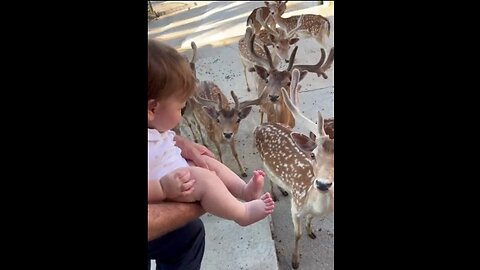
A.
pixel 167 216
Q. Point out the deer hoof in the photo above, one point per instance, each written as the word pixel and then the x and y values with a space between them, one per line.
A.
pixel 295 265
pixel 248 89
pixel 244 174
pixel 312 235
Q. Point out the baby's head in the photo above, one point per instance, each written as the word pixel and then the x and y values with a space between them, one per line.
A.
pixel 170 83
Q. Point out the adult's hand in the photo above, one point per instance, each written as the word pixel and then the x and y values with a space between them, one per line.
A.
pixel 193 151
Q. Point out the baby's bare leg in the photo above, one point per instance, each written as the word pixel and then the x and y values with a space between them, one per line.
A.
pixel 217 200
pixel 234 183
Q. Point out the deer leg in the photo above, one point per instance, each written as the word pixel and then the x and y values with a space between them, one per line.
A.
pixel 298 233
pixel 309 227
pixel 235 155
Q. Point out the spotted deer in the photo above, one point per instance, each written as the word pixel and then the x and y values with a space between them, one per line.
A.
pixel 221 122
pixel 279 40
pixel 315 26
pixel 300 164
pixel 272 81
pixel 277 6
pixel 187 112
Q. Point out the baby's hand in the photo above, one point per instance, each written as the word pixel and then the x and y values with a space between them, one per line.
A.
pixel 177 183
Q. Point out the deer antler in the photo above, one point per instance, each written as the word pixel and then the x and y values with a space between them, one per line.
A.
pixel 235 99
pixel 194 59
pixel 220 102
pixel 203 101
pixel 259 16
pixel 320 68
pixel 250 39
pixel 292 58
pixel 294 86
pixel 299 116
pixel 269 57
pixel 299 24
pixel 256 101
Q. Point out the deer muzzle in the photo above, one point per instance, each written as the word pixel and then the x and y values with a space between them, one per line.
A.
pixel 323 184
pixel 273 98
pixel 228 136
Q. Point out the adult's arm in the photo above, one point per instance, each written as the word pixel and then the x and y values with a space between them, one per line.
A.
pixel 165 217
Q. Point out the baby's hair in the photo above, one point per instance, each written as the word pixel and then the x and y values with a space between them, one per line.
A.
pixel 168 73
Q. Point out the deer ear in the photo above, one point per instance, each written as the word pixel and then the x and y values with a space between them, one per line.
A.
pixel 212 112
pixel 261 71
pixel 312 136
pixel 303 142
pixel 244 112
pixel 293 41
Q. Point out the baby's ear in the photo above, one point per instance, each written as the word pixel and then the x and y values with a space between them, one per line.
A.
pixel 152 105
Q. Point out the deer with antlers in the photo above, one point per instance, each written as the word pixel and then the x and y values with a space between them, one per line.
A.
pixel 277 38
pixel 300 164
pixel 221 122
pixel 271 81
pixel 315 26
pixel 277 6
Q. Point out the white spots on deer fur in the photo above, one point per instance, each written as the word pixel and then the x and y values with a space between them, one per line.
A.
pixel 309 174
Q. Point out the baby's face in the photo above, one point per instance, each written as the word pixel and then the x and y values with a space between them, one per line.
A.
pixel 168 113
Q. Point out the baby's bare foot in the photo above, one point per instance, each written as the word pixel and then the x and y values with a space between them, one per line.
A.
pixel 254 187
pixel 257 210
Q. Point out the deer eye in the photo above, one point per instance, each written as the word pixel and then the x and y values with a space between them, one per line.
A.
pixel 218 121
pixel 312 155
pixel 238 120
pixel 278 47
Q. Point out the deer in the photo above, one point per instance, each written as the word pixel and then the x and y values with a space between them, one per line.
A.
pixel 187 112
pixel 280 41
pixel 210 106
pixel 300 164
pixel 278 38
pixel 277 6
pixel 315 26
pixel 271 81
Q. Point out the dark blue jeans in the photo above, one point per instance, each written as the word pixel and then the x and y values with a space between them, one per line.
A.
pixel 180 249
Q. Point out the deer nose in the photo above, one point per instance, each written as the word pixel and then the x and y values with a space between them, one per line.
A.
pixel 273 98
pixel 286 61
pixel 322 185
pixel 228 135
